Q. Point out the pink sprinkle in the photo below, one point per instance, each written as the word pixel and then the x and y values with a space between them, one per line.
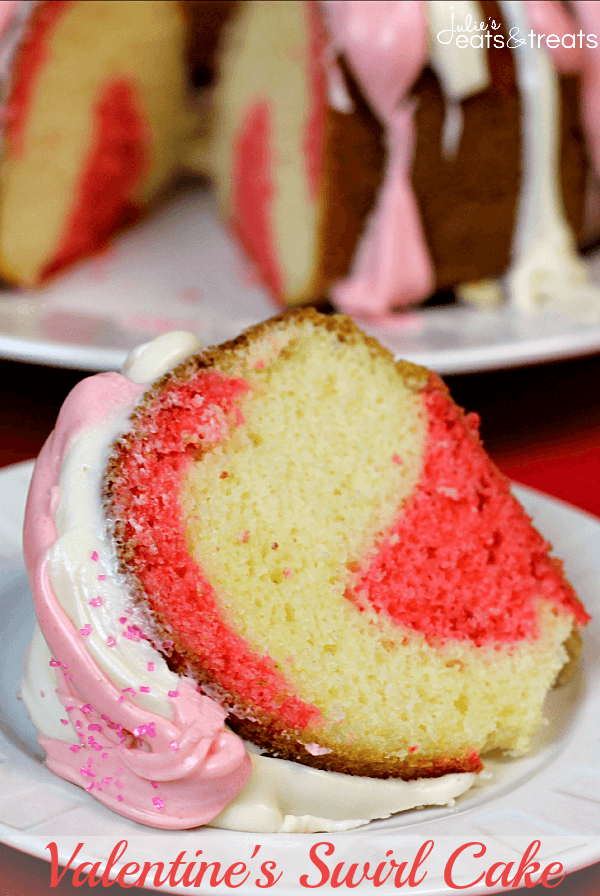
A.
pixel 128 691
pixel 174 745
pixel 150 667
pixel 86 630
pixel 69 708
pixel 75 748
pixel 86 772
pixel 111 642
pixel 101 578
pixel 122 619
pixel 64 721
pixel 68 676
pixel 121 699
pixel 158 802
pixel 78 724
pixel 154 784
pixel 94 727
pixel 54 663
pixel 243 536
pixel 89 787
pixel 151 730
pixel 397 459
pixel 95 556
pixel 144 689
pixel 190 294
pixel 287 572
pixel 64 667
pixel 119 798
pixel 105 755
pixel 104 718
pixel 87 707
pixel 173 693
pixel 96 602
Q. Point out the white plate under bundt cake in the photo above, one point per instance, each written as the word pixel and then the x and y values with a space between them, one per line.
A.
pixel 296 535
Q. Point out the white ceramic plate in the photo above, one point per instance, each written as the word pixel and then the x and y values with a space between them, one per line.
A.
pixel 552 795
pixel 179 270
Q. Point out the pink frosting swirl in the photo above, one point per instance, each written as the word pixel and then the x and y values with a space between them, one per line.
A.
pixel 168 774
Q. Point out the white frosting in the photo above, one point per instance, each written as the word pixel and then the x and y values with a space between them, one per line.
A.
pixel 546 268
pixel 461 71
pixel 281 795
pixel 152 359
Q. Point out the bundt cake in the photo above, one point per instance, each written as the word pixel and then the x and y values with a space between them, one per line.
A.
pixel 297 534
pixel 98 116
pixel 377 152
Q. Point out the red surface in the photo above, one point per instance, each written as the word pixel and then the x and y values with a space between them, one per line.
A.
pixel 541 425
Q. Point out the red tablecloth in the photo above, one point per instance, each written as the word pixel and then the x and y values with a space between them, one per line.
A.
pixel 540 424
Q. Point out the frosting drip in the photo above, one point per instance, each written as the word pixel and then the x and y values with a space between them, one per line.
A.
pixel 197 767
pixel 545 265
pixel 392 265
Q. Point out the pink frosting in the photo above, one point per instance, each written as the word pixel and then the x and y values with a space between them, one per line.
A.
pixel 588 18
pixel 7 11
pixel 385 43
pixel 553 18
pixel 177 774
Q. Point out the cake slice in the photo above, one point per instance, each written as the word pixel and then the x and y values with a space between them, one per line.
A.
pixel 299 536
pixel 319 533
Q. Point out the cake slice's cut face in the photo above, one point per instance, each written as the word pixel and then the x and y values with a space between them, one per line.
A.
pixel 99 116
pixel 266 152
pixel 320 535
